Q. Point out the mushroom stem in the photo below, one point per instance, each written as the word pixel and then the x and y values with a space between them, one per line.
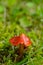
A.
pixel 21 49
pixel 20 52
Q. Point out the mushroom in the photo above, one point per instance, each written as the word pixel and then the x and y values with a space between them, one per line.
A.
pixel 23 41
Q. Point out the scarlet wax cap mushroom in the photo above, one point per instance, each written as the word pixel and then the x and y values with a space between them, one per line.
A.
pixel 22 39
pixel 25 40
pixel 15 40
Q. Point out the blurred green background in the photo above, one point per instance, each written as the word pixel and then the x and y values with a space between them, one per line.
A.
pixel 21 16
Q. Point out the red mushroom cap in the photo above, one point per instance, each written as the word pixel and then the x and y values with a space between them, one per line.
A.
pixel 22 39
pixel 25 39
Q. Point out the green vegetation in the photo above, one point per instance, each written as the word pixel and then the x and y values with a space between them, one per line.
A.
pixel 19 16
